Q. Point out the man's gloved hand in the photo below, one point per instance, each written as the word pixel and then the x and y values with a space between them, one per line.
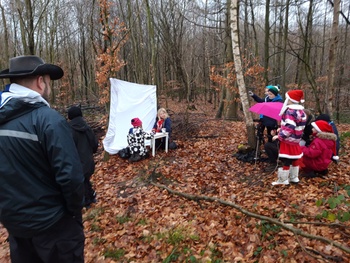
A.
pixel 250 93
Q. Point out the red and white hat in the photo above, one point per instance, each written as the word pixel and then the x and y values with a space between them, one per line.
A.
pixel 323 126
pixel 296 96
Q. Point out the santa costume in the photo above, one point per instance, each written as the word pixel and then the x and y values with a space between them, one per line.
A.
pixel 293 122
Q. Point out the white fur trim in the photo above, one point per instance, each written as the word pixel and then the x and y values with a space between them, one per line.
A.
pixel 284 107
pixel 315 126
pixel 290 156
pixel 296 107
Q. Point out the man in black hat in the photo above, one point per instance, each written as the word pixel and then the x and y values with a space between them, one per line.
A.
pixel 41 182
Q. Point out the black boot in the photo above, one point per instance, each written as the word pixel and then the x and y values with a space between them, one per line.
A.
pixel 135 157
pixel 90 194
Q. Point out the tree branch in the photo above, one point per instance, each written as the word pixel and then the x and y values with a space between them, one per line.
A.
pixel 294 230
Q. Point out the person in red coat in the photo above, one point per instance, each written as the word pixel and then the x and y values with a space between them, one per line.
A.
pixel 322 150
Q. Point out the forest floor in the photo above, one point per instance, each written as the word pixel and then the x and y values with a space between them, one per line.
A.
pixel 199 203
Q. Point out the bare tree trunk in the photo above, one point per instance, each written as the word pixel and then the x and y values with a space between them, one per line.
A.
pixel 6 34
pixel 332 60
pixel 256 44
pixel 151 39
pixel 266 40
pixel 307 58
pixel 206 59
pixel 285 39
pixel 230 104
pixel 239 72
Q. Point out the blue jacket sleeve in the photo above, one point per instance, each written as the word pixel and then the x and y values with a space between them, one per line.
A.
pixel 167 125
pixel 258 99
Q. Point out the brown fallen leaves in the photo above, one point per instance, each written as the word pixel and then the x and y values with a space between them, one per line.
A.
pixel 135 221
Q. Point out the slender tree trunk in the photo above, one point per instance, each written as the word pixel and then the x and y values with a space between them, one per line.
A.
pixel 239 72
pixel 285 39
pixel 230 104
pixel 6 34
pixel 256 43
pixel 150 26
pixel 307 58
pixel 332 60
pixel 267 40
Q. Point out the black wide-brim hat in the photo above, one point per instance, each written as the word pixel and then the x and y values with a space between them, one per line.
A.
pixel 31 66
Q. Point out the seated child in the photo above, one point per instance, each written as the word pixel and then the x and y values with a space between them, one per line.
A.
pixel 162 121
pixel 136 141
pixel 325 117
pixel 319 154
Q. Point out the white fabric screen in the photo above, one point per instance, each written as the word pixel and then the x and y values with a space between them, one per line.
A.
pixel 128 100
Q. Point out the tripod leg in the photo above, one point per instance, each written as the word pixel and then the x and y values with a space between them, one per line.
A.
pixel 257 150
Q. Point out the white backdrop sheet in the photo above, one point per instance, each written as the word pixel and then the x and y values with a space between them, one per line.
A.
pixel 128 100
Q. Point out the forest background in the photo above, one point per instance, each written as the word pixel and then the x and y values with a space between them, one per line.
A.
pixel 201 55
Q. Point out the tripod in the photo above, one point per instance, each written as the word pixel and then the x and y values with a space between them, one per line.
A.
pixel 259 140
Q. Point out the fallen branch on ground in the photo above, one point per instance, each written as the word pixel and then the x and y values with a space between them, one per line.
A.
pixel 295 231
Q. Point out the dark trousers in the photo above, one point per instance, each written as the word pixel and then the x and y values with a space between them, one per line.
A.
pixel 90 194
pixel 261 127
pixel 271 149
pixel 160 143
pixel 63 242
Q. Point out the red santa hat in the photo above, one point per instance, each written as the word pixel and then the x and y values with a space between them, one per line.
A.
pixel 295 96
pixel 136 122
pixel 323 126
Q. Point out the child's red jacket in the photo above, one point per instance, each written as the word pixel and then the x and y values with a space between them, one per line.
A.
pixel 318 155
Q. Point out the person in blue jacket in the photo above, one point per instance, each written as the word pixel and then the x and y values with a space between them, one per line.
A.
pixel 162 121
pixel 41 177
pixel 270 124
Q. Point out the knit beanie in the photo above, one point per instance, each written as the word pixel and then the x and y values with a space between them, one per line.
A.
pixel 273 89
pixel 136 122
pixel 324 117
pixel 74 112
pixel 324 126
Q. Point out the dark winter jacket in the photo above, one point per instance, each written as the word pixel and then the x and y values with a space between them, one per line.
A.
pixel 335 130
pixel 86 143
pixel 318 155
pixel 166 124
pixel 267 121
pixel 41 178
pixel 308 130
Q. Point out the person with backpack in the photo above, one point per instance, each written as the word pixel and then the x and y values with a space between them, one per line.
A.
pixel 87 144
